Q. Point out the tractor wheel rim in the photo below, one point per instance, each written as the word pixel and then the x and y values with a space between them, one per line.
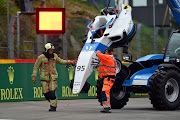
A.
pixel 119 95
pixel 171 90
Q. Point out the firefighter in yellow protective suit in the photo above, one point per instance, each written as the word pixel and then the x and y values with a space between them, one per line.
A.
pixel 107 71
pixel 46 62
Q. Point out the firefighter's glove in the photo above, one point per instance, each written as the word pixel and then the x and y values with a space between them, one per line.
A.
pixel 34 80
pixel 72 63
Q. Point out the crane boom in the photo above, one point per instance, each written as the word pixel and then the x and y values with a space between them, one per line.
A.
pixel 174 5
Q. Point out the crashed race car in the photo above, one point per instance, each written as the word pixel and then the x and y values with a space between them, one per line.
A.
pixel 156 74
pixel 112 29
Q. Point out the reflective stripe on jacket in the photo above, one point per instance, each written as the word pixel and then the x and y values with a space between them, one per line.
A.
pixel 48 68
pixel 107 65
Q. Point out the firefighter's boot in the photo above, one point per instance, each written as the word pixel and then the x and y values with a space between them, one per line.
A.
pixel 52 108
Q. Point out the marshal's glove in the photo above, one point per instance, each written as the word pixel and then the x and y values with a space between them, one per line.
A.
pixel 34 80
pixel 98 51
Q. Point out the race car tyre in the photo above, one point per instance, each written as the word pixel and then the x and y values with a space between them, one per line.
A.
pixel 85 88
pixel 164 89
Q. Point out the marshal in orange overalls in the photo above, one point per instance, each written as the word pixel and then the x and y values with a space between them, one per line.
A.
pixel 107 71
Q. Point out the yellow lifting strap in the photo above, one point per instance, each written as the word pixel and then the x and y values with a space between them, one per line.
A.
pixel 126 6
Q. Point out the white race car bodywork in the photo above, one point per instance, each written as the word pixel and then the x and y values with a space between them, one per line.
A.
pixel 114 26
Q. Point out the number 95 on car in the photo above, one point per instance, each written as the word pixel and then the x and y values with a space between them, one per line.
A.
pixel 80 68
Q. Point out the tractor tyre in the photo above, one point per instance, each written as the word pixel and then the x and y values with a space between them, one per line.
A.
pixel 99 89
pixel 119 98
pixel 164 89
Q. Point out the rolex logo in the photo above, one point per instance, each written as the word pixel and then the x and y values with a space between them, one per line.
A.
pixel 11 74
pixel 96 74
pixel 71 72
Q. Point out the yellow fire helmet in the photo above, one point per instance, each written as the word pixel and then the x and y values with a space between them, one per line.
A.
pixel 48 46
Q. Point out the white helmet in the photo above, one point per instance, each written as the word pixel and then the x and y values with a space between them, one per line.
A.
pixel 48 46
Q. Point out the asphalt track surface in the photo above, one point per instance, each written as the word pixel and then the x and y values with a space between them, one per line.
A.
pixel 86 109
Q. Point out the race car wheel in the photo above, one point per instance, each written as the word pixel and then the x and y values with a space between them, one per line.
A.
pixel 85 88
